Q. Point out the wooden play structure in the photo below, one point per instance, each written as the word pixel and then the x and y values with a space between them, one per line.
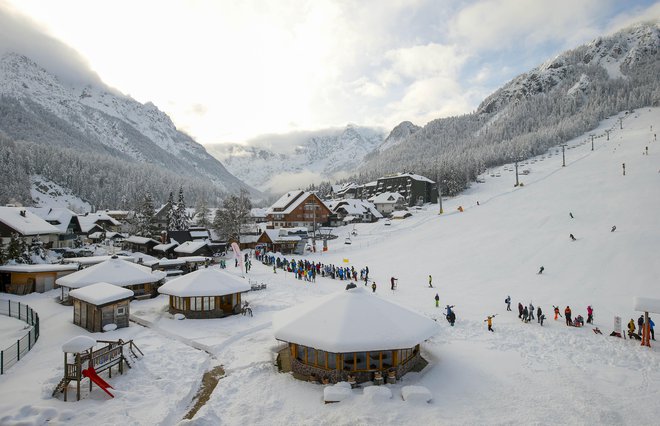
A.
pixel 79 353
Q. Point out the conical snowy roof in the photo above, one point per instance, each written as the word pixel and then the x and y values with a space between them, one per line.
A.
pixel 114 271
pixel 204 282
pixel 351 321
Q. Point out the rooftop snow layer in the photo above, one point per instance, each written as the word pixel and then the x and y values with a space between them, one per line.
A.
pixel 25 222
pixel 204 282
pixel 101 293
pixel 114 271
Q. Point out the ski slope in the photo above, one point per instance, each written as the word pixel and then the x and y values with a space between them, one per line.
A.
pixel 521 373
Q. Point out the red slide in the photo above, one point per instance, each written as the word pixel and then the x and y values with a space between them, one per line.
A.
pixel 91 373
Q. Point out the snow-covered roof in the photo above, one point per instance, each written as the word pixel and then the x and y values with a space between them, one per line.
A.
pixel 199 234
pixel 289 201
pixel 101 293
pixel 352 320
pixel 182 260
pixel 78 344
pixel 88 220
pixel 165 247
pixel 42 267
pixel 25 222
pixel 647 304
pixel 114 271
pixel 248 239
pixel 204 282
pixel 135 239
pixel 108 235
pixel 59 217
pixel 410 175
pixel 276 236
pixel 93 260
pixel 257 212
pixel 190 246
pixel 386 198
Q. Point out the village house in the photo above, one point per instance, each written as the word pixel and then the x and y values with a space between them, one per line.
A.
pixel 351 334
pixel 40 278
pixel 103 222
pixel 193 248
pixel 354 211
pixel 205 293
pixel 27 225
pixel 283 240
pixel 387 202
pixel 137 243
pixel 298 209
pixel 64 220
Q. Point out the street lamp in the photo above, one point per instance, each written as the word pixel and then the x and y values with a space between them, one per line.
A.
pixel 608 134
pixel 312 207
pixel 592 141
pixel 440 197
pixel 563 156
pixel 517 183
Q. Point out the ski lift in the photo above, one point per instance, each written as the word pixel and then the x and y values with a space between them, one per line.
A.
pixel 348 240
pixel 354 231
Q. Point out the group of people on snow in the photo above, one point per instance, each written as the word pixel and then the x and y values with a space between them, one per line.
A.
pixel 636 333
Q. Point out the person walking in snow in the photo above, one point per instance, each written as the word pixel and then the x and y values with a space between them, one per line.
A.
pixel 590 315
pixel 567 315
pixel 393 282
pixel 557 314
pixel 541 319
pixel 373 286
pixel 437 300
pixel 570 214
pixel 508 303
pixel 525 315
pixel 640 324
pixel 651 326
pixel 531 311
pixel 541 269
pixel 572 237
pixel 631 328
pixel 489 320
pixel 613 228
pixel 538 314
pixel 520 310
pixel 430 281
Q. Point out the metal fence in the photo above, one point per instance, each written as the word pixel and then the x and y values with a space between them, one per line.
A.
pixel 15 352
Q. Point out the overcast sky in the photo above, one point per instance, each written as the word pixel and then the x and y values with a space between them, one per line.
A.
pixel 227 71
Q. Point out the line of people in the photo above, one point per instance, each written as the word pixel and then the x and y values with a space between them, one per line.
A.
pixel 637 333
pixel 526 314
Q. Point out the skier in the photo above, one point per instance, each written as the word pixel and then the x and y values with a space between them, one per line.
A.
pixel 489 320
pixel 437 300
pixel 590 315
pixel 541 319
pixel 571 214
pixel 508 303
pixel 449 311
pixel 541 270
pixel 520 310
pixel 430 281
pixel 567 314
pixel 613 228
pixel 373 286
pixel 640 323
pixel 572 237
pixel 366 273
pixel 651 325
pixel 538 314
pixel 624 168
pixel 451 318
pixel 525 315
pixel 631 328
pixel 531 311
pixel 557 314
pixel 393 282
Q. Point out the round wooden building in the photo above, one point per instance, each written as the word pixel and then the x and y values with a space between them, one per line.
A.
pixel 352 335
pixel 205 293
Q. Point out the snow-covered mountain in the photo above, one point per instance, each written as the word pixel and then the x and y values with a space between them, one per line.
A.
pixel 300 158
pixel 401 132
pixel 39 107
pixel 556 101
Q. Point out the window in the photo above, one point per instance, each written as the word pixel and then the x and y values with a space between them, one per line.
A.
pixel 361 361
pixel 321 358
pixel 332 361
pixel 301 353
pixel 121 310
pixel 374 360
pixel 349 361
pixel 208 303
pixel 387 359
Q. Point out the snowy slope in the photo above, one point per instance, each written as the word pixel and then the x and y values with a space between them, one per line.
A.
pixel 521 373
pixel 323 155
pixel 46 193
pixel 41 108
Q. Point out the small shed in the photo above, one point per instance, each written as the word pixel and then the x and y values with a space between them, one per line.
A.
pixel 24 279
pixel 100 304
pixel 205 293
pixel 115 271
pixel 193 248
pixel 352 333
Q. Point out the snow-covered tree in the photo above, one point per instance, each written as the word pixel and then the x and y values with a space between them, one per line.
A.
pixel 146 223
pixel 234 213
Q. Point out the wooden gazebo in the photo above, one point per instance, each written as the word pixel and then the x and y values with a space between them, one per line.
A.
pixel 352 333
pixel 205 293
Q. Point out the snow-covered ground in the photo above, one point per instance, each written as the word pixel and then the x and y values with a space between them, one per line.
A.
pixel 521 373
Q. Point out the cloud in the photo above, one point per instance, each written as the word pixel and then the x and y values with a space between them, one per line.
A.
pixel 21 35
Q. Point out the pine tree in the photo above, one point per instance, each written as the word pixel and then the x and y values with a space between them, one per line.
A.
pixel 146 223
pixel 171 213
pixel 14 247
pixel 203 213
pixel 182 223
pixel 3 254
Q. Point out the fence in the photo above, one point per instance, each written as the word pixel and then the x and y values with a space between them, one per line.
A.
pixel 15 352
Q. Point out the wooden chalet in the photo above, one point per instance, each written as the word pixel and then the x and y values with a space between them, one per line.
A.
pixel 280 240
pixel 27 225
pixel 24 279
pixel 141 244
pixel 100 304
pixel 298 209
pixel 205 293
